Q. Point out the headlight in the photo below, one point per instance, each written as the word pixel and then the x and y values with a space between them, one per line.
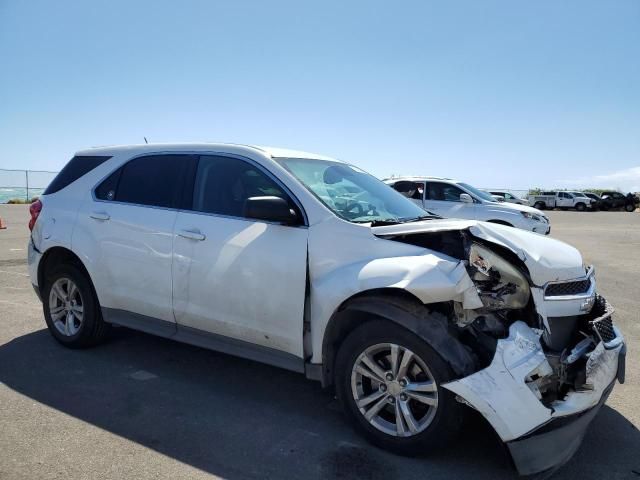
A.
pixel 500 285
pixel 531 216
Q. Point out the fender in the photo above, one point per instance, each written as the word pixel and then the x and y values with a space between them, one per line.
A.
pixel 430 278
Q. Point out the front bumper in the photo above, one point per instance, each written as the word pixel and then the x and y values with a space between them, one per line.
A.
pixel 539 437
pixel 553 444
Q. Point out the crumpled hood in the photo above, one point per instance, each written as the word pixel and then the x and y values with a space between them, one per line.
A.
pixel 546 259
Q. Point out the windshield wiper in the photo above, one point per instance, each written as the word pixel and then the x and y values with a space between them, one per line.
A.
pixel 420 218
pixel 384 221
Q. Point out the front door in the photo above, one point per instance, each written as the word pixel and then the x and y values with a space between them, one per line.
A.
pixel 234 276
pixel 565 200
pixel 444 199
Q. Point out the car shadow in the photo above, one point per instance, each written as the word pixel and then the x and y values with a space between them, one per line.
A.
pixel 239 419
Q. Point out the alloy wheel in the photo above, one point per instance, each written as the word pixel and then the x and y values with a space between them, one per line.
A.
pixel 66 306
pixel 394 390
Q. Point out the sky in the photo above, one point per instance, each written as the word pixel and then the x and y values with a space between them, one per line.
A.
pixel 500 94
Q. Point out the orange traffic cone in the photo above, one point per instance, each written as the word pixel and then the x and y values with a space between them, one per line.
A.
pixel 2 224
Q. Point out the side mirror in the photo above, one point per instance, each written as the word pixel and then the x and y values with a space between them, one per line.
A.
pixel 466 198
pixel 270 209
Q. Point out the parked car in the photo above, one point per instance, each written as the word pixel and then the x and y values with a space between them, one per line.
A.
pixel 452 199
pixel 409 317
pixel 611 199
pixel 562 200
pixel 597 200
pixel 509 197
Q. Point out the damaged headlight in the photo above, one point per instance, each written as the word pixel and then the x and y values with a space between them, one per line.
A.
pixel 500 285
pixel 531 216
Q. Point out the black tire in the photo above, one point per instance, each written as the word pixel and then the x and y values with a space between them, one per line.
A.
pixel 93 329
pixel 449 413
pixel 581 207
pixel 539 205
pixel 629 207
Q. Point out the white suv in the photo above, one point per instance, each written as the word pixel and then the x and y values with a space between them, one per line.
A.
pixel 452 199
pixel 310 264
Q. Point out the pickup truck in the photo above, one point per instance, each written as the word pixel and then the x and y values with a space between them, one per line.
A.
pixel 562 200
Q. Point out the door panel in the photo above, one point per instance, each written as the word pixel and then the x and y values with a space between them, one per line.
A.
pixel 234 276
pixel 244 280
pixel 125 233
pixel 132 256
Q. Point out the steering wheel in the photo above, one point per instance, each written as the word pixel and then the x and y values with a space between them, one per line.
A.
pixel 354 208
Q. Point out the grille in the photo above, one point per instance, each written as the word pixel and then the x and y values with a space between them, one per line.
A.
pixel 604 329
pixel 568 288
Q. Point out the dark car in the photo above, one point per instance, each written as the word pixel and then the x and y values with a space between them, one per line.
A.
pixel 612 200
pixel 597 200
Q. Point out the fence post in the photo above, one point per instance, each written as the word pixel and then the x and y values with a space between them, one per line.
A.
pixel 26 174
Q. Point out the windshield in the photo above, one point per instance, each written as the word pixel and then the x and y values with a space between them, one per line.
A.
pixel 351 193
pixel 478 193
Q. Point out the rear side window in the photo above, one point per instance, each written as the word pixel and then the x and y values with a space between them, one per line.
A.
pixel 155 180
pixel 76 168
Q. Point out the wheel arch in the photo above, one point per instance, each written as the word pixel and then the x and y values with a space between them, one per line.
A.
pixel 60 255
pixel 430 322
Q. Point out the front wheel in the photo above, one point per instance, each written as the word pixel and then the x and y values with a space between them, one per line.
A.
pixel 629 207
pixel 581 207
pixel 389 382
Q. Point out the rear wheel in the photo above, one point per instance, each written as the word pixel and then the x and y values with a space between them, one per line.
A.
pixel 539 205
pixel 390 384
pixel 71 308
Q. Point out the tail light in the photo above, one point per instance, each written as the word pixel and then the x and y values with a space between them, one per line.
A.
pixel 34 210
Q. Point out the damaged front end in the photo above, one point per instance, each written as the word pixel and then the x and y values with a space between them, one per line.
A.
pixel 547 355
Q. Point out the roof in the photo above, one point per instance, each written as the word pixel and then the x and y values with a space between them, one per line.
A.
pixel 273 152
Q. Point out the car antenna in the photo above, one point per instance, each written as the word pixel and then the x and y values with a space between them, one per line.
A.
pixel 145 140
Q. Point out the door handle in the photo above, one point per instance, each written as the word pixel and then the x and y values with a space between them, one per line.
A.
pixel 192 235
pixel 99 216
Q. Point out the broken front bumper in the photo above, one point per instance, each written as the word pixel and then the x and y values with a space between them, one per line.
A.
pixel 539 437
pixel 553 444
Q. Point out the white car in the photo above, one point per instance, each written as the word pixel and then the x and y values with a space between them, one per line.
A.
pixel 310 264
pixel 452 199
pixel 508 197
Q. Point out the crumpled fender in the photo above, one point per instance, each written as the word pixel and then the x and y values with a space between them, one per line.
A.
pixel 431 278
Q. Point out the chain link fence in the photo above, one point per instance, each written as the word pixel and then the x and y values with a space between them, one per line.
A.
pixel 23 185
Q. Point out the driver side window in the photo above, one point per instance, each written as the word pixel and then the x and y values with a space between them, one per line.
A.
pixel 223 184
pixel 443 192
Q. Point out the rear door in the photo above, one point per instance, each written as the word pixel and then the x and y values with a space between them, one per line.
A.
pixel 444 199
pixel 128 224
pixel 234 276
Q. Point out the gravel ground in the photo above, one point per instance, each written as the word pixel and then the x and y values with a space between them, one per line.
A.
pixel 148 408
